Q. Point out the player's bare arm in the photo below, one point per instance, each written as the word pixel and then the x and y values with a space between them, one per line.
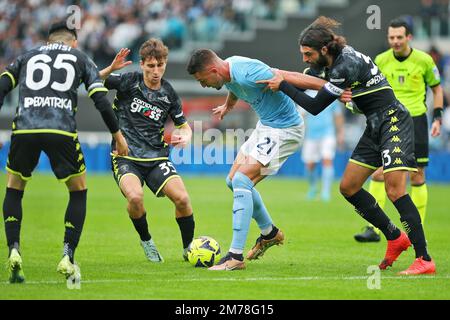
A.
pixel 229 104
pixel 438 97
pixel 300 80
pixel 295 78
pixel 118 63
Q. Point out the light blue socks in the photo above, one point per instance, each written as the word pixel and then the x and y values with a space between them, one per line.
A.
pixel 242 210
pixel 260 213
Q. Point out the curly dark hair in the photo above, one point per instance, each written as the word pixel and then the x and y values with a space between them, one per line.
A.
pixel 320 34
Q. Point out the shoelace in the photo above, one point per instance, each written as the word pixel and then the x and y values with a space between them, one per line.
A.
pixel 152 249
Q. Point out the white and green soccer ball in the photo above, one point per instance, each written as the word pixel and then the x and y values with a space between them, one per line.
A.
pixel 203 251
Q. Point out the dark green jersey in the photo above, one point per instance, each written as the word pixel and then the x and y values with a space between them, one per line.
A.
pixel 48 78
pixel 142 113
pixel 352 69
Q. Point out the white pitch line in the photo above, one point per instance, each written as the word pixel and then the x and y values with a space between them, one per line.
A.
pixel 311 278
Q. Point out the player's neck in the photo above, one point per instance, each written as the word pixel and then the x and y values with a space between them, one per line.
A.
pixel 403 53
pixel 330 60
pixel 151 85
pixel 226 72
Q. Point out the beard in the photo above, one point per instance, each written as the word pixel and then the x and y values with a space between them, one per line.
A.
pixel 320 63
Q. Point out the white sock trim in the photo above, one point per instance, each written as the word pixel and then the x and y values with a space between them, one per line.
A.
pixel 266 231
pixel 236 251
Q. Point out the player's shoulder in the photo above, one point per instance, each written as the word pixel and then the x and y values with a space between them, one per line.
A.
pixel 340 67
pixel 131 76
pixel 128 79
pixel 239 59
pixel 245 61
pixel 29 54
pixel 248 69
pixel 346 59
pixel 80 54
pixel 168 87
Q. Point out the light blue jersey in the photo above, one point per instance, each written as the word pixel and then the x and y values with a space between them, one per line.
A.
pixel 322 125
pixel 275 109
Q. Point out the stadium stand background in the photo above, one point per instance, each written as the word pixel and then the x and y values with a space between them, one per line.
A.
pixel 264 29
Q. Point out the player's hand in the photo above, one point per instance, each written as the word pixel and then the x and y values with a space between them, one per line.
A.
pixel 346 96
pixel 119 61
pixel 221 111
pixel 181 136
pixel 121 144
pixel 179 140
pixel 273 83
pixel 436 128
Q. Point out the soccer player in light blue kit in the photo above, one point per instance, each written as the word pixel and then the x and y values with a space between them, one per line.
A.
pixel 322 134
pixel 278 134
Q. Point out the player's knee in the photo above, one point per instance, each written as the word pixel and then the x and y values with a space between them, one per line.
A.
pixel 347 188
pixel 136 199
pixel 241 181
pixel 182 201
pixel 394 192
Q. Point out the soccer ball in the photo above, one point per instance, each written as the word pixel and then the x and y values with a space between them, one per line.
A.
pixel 203 252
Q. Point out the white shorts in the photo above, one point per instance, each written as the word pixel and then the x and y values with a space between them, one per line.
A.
pixel 319 149
pixel 272 146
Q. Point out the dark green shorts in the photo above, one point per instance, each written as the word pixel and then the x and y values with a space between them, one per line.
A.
pixel 388 141
pixel 155 174
pixel 421 139
pixel 64 153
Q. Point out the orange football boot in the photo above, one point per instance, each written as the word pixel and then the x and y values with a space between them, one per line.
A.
pixel 394 249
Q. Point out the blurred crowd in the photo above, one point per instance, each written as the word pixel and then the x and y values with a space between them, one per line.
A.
pixel 110 25
pixel 435 17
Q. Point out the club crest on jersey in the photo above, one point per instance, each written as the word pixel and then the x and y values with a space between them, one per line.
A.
pixel 147 109
pixel 164 99
pixel 401 79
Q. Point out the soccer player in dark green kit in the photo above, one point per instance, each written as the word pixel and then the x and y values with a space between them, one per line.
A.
pixel 409 71
pixel 48 78
pixel 143 103
pixel 389 127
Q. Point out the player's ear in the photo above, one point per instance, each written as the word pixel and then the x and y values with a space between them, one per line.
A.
pixel 74 44
pixel 324 50
pixel 212 69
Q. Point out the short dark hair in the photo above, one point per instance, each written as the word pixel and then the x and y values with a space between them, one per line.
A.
pixel 153 48
pixel 60 27
pixel 401 22
pixel 200 59
pixel 320 34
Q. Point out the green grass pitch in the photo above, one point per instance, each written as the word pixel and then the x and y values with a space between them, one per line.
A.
pixel 320 259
